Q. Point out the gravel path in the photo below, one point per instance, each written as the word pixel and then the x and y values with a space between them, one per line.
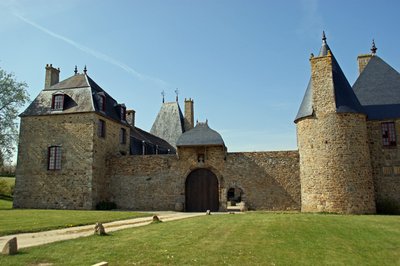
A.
pixel 40 238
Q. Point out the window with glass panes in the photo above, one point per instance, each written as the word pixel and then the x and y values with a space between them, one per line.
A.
pixel 388 134
pixel 54 158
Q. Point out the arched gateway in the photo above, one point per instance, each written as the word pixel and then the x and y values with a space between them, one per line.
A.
pixel 201 190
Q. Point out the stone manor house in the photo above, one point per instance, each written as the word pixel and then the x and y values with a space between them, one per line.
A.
pixel 78 147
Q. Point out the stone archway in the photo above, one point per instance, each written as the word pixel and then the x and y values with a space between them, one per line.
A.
pixel 201 191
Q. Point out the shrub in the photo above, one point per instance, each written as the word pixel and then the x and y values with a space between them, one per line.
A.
pixel 106 205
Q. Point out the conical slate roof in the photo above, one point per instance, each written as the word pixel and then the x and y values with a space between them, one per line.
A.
pixel 169 124
pixel 378 89
pixel 200 135
pixel 345 99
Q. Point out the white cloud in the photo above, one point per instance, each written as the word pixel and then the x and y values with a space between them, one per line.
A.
pixel 90 51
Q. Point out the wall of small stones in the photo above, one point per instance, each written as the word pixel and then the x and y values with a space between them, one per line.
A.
pixel 269 180
pixel 69 188
pixel 385 163
pixel 81 182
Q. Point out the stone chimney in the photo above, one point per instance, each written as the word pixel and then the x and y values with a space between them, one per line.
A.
pixel 364 59
pixel 52 76
pixel 363 62
pixel 130 117
pixel 189 114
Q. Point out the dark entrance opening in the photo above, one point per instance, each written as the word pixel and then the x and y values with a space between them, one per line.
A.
pixel 201 191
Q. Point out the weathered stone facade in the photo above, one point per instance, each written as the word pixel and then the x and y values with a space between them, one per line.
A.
pixel 81 182
pixel 385 163
pixel 269 180
pixel 335 167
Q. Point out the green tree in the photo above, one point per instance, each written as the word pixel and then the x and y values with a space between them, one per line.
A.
pixel 13 95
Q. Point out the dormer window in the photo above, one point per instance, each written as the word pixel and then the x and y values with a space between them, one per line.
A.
pixel 58 102
pixel 102 102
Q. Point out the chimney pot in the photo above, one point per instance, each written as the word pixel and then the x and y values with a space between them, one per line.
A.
pixel 52 76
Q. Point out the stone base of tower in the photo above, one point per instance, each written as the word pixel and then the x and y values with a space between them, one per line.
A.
pixel 322 203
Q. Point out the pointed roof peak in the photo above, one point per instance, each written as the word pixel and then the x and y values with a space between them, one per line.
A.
pixel 324 48
pixel 373 48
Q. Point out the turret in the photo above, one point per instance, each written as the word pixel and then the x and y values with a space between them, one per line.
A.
pixel 335 167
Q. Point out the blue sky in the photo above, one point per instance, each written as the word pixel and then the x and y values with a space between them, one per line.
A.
pixel 245 63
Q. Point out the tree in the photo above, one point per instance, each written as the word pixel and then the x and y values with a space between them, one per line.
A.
pixel 13 95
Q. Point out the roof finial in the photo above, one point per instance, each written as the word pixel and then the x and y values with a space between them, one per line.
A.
pixel 176 92
pixel 76 70
pixel 373 49
pixel 85 70
pixel 163 96
pixel 323 37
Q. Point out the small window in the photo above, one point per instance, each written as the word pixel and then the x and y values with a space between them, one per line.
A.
pixel 388 134
pixel 102 102
pixel 101 129
pixel 57 102
pixel 54 158
pixel 123 113
pixel 122 136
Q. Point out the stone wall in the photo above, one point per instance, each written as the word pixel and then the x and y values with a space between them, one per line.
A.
pixel 269 180
pixel 81 182
pixel 335 167
pixel 385 163
pixel 68 188
pixel 104 148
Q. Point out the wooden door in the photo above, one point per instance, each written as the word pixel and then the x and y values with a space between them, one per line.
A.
pixel 201 191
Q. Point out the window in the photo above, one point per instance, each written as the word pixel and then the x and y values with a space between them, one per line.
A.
pixel 57 102
pixel 122 136
pixel 54 158
pixel 101 129
pixel 102 102
pixel 123 113
pixel 388 134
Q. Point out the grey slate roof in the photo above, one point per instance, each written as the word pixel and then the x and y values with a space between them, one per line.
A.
pixel 345 99
pixel 169 124
pixel 82 96
pixel 151 142
pixel 378 90
pixel 200 135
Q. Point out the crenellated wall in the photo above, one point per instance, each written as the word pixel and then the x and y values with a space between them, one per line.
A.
pixel 269 180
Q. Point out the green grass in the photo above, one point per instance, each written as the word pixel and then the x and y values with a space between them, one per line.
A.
pixel 6 186
pixel 249 239
pixel 13 221
pixel 5 204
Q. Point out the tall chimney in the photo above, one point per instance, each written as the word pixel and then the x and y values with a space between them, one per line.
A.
pixel 130 117
pixel 363 62
pixel 52 76
pixel 364 59
pixel 189 114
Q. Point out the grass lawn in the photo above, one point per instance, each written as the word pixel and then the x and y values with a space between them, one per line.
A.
pixel 13 221
pixel 5 204
pixel 240 239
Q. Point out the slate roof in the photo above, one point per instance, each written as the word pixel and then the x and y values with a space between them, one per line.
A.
pixel 82 95
pixel 345 99
pixel 378 90
pixel 200 135
pixel 152 143
pixel 169 124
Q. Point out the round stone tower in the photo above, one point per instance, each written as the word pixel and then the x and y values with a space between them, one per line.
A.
pixel 335 167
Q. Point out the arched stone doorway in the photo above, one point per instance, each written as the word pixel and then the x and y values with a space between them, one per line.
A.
pixel 201 190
